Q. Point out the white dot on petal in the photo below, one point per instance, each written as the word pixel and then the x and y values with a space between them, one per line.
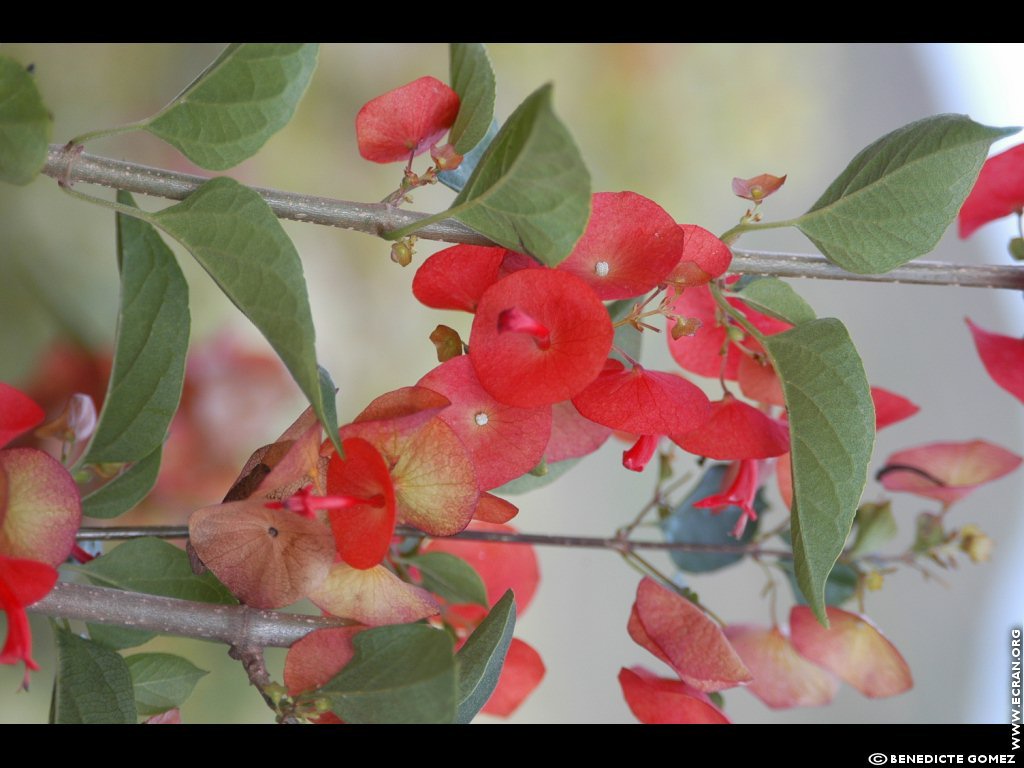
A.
pixel 481 419
pixel 601 268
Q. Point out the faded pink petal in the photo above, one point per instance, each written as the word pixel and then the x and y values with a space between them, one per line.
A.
pixel 782 678
pixel 853 649
pixel 374 596
pixel 946 471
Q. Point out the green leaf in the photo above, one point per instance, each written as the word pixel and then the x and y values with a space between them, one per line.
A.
pixel 832 429
pixel 235 236
pixel 246 96
pixel 689 525
pixel 776 298
pixel 124 491
pixel 530 481
pixel 531 190
pixel 93 683
pixel 473 79
pixel 161 681
pixel 481 658
pixel 840 586
pixel 149 353
pixel 116 638
pixel 897 196
pixel 875 526
pixel 25 124
pixel 156 568
pixel 450 577
pixel 400 674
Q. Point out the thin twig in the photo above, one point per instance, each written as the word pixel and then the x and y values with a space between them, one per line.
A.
pixel 378 218
pixel 591 542
pixel 236 625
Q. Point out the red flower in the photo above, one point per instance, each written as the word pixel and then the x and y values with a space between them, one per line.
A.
pixel 22 582
pixel 406 121
pixel 739 494
pixel 998 192
pixel 1003 358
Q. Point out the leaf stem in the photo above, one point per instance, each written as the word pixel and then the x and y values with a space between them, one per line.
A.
pixel 104 132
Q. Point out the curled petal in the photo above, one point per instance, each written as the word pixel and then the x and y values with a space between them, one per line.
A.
pixel 656 700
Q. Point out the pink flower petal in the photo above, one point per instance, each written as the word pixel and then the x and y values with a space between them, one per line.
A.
pixel 656 700
pixel 406 121
pixel 503 440
pixel 684 635
pixel 643 402
pixel 515 368
pixel 18 413
pixel 998 192
pixel 704 258
pixel 946 471
pixel 628 248
pixel 572 434
pixel 373 597
pixel 853 649
pixel 782 678
pixel 890 407
pixel 40 507
pixel 523 671
pixel 736 430
pixel 1003 358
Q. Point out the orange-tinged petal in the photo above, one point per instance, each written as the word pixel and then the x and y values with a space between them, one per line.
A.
pixel 853 649
pixel 43 508
pixel 373 597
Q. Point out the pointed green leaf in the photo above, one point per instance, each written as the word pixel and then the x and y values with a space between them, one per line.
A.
pixel 840 586
pixel 124 491
pixel 531 190
pixel 116 638
pixel 161 681
pixel 156 568
pixel 246 96
pixel 832 428
pixel 93 683
pixel 473 79
pixel 450 577
pixel 690 525
pixel 897 196
pixel 776 298
pixel 875 526
pixel 235 236
pixel 149 353
pixel 400 674
pixel 482 657
pixel 25 124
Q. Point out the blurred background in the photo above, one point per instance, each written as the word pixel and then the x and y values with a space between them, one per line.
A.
pixel 673 122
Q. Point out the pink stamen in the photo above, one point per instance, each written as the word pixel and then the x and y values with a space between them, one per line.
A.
pixel 514 320
pixel 304 503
